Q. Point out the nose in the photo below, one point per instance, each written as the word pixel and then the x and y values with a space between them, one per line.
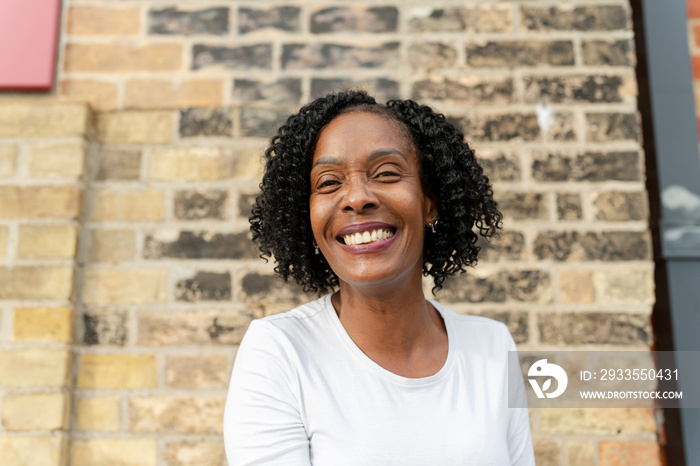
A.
pixel 359 196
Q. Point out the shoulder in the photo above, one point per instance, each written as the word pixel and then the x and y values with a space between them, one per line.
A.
pixel 478 332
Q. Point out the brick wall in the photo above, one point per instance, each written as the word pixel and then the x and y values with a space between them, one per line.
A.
pixel 184 97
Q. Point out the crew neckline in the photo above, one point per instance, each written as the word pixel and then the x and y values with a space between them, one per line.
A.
pixel 379 370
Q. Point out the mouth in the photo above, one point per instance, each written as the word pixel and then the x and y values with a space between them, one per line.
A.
pixel 366 236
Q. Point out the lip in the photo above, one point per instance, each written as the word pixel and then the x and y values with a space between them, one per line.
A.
pixel 358 227
pixel 369 247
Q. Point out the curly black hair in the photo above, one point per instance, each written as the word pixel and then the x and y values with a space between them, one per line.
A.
pixel 280 221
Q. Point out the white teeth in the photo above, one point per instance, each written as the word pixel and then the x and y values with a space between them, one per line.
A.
pixel 367 236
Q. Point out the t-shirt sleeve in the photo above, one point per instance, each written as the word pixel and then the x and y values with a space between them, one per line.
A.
pixel 519 438
pixel 262 422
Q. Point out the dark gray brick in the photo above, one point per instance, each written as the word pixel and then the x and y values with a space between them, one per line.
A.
pixel 318 56
pixel 105 328
pixel 355 19
pixel 473 18
pixel 470 91
pixel 599 328
pixel 245 204
pixel 563 89
pixel 205 122
pixel 522 205
pixel 569 206
pixel 589 166
pixel 592 246
pixel 205 286
pixel 620 206
pixel 381 88
pixel 608 52
pixel 516 285
pixel 243 58
pixel 285 18
pixel 200 245
pixel 565 18
pixel 602 127
pixel 285 91
pixel 516 321
pixel 498 127
pixel 501 167
pixel 174 21
pixel 507 246
pixel 262 122
pixel 200 204
pixel 511 54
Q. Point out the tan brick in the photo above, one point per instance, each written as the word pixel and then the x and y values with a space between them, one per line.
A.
pixel 120 57
pixel 166 414
pixel 34 368
pixel 201 371
pixel 135 127
pixel 36 283
pixel 114 452
pixel 129 205
pixel 39 202
pixel 624 453
pixel 90 21
pixel 98 413
pixel 43 324
pixel 100 95
pixel 190 164
pixel 111 246
pixel 47 242
pixel 31 119
pixel 151 94
pixel 580 454
pixel 126 371
pixel 192 327
pixel 56 160
pixel 124 286
pixel 4 236
pixel 41 450
pixel 576 286
pixel 194 453
pixel 546 453
pixel 597 420
pixel 8 160
pixel 35 411
pixel 623 286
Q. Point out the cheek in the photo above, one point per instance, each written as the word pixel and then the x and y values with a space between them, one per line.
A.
pixel 320 211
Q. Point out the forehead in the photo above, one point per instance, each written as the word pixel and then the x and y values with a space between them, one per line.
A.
pixel 361 131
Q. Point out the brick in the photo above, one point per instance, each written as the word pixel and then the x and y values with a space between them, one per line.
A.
pixel 576 286
pixel 562 127
pixel 580 454
pixel 201 204
pixel 43 119
pixel 98 413
pixel 580 88
pixel 381 88
pixel 546 453
pixel 47 242
pixel 506 246
pixel 284 91
pixel 128 205
pixel 102 96
pixel 428 55
pixel 135 127
pixel 210 21
pixel 56 161
pixel 190 164
pixel 500 167
pixel 693 8
pixel 36 283
pixel 182 328
pixel 640 453
pixel 4 237
pixel 570 17
pixel 608 52
pixel 620 206
pixel 118 371
pixel 474 18
pixel 284 19
pixel 165 414
pixel 39 202
pixel 516 321
pixel 43 324
pixel 8 161
pixel 152 94
pixel 319 56
pixel 511 54
pixel 197 372
pixel 242 58
pixel 35 368
pixel 206 122
pixel 354 20
pixel 41 450
pixel 465 90
pixel 597 421
pixel 626 286
pixel 105 327
pixel 569 206
pixel 118 164
pixel 104 286
pixel 266 290
pixel 518 285
pixel 114 452
pixel 592 246
pixel 588 166
pixel 110 58
pixel 35 411
pixel 89 21
pixel 245 205
pixel 194 453
pixel 498 127
pixel 594 328
pixel 204 286
pixel 696 35
pixel 603 127
pixel 262 122
pixel 111 246
pixel 523 205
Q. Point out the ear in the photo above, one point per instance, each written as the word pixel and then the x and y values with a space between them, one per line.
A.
pixel 430 212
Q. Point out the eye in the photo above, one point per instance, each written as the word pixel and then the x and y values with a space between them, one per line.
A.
pixel 388 175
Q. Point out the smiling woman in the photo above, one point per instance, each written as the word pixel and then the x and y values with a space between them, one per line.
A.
pixel 359 200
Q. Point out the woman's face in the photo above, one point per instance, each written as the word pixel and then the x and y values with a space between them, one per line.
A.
pixel 368 208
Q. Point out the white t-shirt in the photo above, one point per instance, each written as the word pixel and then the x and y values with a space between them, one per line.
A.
pixel 303 393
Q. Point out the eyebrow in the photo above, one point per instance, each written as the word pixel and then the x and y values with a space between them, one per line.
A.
pixel 375 154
